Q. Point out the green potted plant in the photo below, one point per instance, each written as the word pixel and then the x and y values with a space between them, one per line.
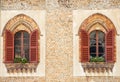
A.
pixel 24 60
pixel 97 59
pixel 17 60
pixel 20 60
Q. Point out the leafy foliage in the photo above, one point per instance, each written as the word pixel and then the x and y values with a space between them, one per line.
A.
pixel 24 60
pixel 20 60
pixel 97 59
pixel 17 60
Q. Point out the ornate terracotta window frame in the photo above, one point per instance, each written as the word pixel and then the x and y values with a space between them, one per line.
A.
pixel 96 22
pixel 29 25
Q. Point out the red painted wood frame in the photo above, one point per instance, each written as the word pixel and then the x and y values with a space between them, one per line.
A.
pixel 97 42
pixel 21 38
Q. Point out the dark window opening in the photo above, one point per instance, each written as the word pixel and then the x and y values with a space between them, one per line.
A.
pixel 21 45
pixel 97 44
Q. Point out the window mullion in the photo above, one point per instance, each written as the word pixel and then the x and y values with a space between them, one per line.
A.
pixel 97 43
pixel 22 44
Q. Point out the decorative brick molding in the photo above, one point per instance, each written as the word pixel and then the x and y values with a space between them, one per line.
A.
pixel 19 67
pixel 97 18
pixel 97 66
pixel 19 19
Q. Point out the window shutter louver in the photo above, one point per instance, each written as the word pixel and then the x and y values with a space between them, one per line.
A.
pixel 84 46
pixel 110 46
pixel 9 46
pixel 34 46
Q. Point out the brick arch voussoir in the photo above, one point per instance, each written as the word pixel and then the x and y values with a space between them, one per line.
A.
pixel 21 19
pixel 100 18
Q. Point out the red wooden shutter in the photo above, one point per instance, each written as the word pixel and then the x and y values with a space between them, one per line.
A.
pixel 34 46
pixel 9 46
pixel 84 46
pixel 110 46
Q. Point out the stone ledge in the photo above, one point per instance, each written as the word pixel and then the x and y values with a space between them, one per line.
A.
pixel 23 79
pixel 96 79
pixel 97 66
pixel 19 67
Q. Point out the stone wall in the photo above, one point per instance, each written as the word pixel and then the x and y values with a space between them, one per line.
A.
pixel 22 4
pixel 96 79
pixel 89 4
pixel 22 79
pixel 58 20
pixel 59 46
pixel 72 4
pixel 76 79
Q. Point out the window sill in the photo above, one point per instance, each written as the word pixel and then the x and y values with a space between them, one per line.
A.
pixel 19 67
pixel 98 66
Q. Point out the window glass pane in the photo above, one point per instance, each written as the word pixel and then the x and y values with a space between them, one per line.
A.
pixel 93 44
pixel 26 52
pixel 101 38
pixel 17 42
pixel 26 45
pixel 26 41
pixel 93 49
pixel 25 35
pixel 93 38
pixel 18 35
pixel 21 49
pixel 97 44
pixel 101 55
pixel 101 49
pixel 17 51
pixel 92 55
pixel 101 43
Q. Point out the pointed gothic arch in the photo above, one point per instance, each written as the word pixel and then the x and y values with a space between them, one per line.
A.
pixel 21 23
pixel 21 19
pixel 97 18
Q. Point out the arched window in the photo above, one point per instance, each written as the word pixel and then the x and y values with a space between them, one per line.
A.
pixel 97 39
pixel 21 40
pixel 97 44
pixel 21 45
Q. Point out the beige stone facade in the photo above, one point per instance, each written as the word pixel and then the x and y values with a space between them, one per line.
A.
pixel 59 22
